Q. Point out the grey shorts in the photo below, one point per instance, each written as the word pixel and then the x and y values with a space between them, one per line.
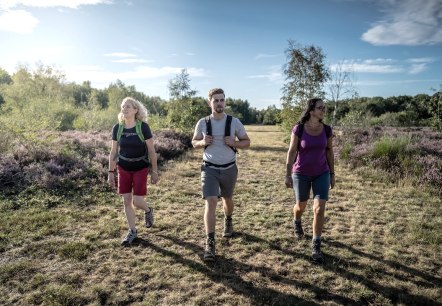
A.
pixel 218 182
pixel 302 184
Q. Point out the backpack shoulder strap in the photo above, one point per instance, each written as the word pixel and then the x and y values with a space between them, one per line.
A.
pixel 208 127
pixel 120 131
pixel 228 124
pixel 328 130
pixel 138 130
pixel 299 133
pixel 227 130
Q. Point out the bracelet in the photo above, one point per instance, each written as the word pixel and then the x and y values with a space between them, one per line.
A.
pixel 111 171
pixel 154 171
pixel 332 173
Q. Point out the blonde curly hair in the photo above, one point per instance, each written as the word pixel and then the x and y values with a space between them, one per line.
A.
pixel 141 109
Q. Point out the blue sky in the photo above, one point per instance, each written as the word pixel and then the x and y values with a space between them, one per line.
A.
pixel 393 47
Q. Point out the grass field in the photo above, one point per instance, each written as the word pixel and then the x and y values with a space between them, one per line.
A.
pixel 382 243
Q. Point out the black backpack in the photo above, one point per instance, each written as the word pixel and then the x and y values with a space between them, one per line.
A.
pixel 328 132
pixel 226 129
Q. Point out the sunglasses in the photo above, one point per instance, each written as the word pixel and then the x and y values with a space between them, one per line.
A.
pixel 321 108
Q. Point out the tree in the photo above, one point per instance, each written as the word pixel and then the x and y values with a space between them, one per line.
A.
pixel 240 109
pixel 5 78
pixel 179 87
pixel 305 73
pixel 436 109
pixel 341 86
pixel 272 116
pixel 184 110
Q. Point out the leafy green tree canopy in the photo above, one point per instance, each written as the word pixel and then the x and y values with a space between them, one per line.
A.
pixel 305 75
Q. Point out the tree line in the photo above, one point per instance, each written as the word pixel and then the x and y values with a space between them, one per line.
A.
pixel 42 98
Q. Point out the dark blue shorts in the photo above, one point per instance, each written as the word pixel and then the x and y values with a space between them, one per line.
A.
pixel 302 184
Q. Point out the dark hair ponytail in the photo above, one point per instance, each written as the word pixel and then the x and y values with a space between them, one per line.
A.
pixel 311 104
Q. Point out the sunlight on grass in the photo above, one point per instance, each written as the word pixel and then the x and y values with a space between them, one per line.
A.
pixel 381 242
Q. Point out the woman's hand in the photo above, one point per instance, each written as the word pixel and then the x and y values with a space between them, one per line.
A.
pixel 332 181
pixel 153 177
pixel 111 179
pixel 288 181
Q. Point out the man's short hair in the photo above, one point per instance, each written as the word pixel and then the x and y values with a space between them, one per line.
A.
pixel 215 91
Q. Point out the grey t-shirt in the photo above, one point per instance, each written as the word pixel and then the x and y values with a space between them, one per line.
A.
pixel 218 152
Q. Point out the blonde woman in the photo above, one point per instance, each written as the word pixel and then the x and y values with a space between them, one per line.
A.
pixel 132 149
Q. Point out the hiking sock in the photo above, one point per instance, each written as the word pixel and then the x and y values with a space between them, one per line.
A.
pixel 228 217
pixel 211 235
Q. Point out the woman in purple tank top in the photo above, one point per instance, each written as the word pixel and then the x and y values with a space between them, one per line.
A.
pixel 310 167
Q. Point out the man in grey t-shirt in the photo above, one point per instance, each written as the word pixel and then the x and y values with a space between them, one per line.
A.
pixel 219 171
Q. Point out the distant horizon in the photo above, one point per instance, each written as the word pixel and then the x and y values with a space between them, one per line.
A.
pixel 393 47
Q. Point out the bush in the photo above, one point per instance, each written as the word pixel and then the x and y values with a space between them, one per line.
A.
pixel 67 161
pixel 400 154
pixel 390 148
pixel 403 118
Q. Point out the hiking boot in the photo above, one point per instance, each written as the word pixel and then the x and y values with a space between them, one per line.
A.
pixel 299 232
pixel 317 255
pixel 209 252
pixel 148 217
pixel 131 235
pixel 228 227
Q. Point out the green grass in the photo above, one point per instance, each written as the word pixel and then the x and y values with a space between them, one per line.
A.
pixel 391 148
pixel 381 242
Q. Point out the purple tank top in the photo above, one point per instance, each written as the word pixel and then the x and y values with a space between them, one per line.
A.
pixel 312 159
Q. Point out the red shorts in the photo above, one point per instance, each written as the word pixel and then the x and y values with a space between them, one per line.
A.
pixel 135 181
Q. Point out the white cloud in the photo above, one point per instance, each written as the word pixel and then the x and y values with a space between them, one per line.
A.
pixel 407 23
pixel 18 21
pixel 379 61
pixel 132 61
pixel 421 60
pixel 378 65
pixel 395 82
pixel 417 68
pixel 120 54
pixel 273 75
pixel 73 4
pixel 384 65
pixel 264 55
pixel 102 78
pixel 23 22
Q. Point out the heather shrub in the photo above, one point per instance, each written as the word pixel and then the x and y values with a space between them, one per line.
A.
pixel 170 144
pixel 412 154
pixel 63 162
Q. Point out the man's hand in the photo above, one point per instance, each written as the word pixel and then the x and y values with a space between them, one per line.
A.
pixel 207 140
pixel 229 141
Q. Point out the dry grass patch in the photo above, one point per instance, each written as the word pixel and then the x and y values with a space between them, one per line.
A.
pixel 382 244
